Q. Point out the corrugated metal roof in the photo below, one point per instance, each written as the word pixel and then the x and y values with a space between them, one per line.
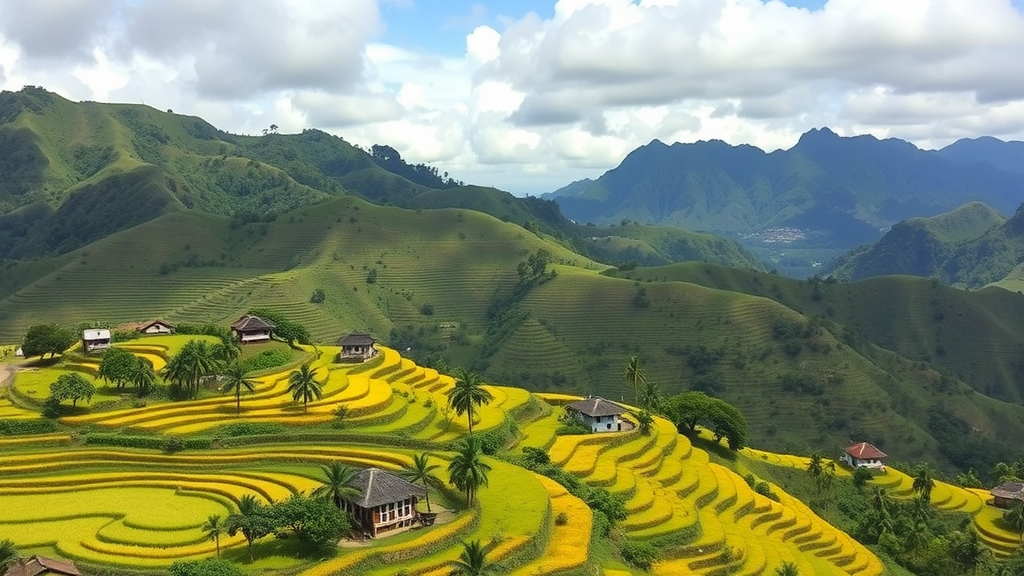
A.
pixel 864 451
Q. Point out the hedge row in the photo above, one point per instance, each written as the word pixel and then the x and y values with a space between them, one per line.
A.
pixel 355 438
pixel 165 443
pixel 25 427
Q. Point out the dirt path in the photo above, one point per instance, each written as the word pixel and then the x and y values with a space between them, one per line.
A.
pixel 7 371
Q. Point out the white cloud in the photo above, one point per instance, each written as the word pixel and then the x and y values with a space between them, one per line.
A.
pixel 532 103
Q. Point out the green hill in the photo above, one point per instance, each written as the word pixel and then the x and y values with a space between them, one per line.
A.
pixel 438 283
pixel 658 245
pixel 918 246
pixel 970 247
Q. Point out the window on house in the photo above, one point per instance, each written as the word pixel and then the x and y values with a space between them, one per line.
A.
pixel 609 427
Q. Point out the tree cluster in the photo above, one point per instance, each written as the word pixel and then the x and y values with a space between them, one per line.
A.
pixel 72 386
pixel 49 339
pixel 284 328
pixel 122 368
pixel 316 522
pixel 689 410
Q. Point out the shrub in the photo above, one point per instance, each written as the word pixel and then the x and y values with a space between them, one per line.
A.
pixel 561 519
pixel 207 567
pixel 639 554
pixel 22 427
pixel 534 457
pixel 265 360
pixel 427 309
pixel 318 296
pixel 236 429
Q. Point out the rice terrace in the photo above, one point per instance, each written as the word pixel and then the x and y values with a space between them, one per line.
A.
pixel 143 487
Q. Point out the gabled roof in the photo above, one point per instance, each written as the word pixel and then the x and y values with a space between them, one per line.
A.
pixel 596 406
pixel 40 565
pixel 94 334
pixel 356 339
pixel 865 451
pixel 378 487
pixel 250 322
pixel 1009 490
pixel 151 323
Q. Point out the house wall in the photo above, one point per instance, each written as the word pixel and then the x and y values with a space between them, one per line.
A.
pixel 601 423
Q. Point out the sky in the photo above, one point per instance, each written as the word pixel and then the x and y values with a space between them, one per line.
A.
pixel 529 95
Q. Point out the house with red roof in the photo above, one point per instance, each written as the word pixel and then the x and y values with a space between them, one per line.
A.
pixel 863 455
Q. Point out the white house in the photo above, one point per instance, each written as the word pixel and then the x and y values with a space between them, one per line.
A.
pixel 598 413
pixel 95 339
pixel 863 455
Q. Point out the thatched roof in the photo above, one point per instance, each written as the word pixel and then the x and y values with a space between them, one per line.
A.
pixel 250 322
pixel 41 565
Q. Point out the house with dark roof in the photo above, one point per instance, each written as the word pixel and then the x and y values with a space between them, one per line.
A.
pixel 95 339
pixel 863 455
pixel 598 413
pixel 356 347
pixel 1006 494
pixel 251 328
pixel 42 566
pixel 386 502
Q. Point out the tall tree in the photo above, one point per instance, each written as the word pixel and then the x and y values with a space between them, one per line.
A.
pixel 235 381
pixel 337 483
pixel 924 481
pixel 302 384
pixel 815 468
pixel 43 339
pixel 187 369
pixel 213 529
pixel 472 561
pixel 468 392
pixel 72 386
pixel 1015 517
pixel 227 350
pixel 117 365
pixel 635 376
pixel 467 471
pixel 253 520
pixel 422 471
pixel 143 377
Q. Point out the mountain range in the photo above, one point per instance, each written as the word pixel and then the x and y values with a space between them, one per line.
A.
pixel 119 213
pixel 841 191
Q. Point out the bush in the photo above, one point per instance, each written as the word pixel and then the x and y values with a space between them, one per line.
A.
pixel 427 309
pixel 22 427
pixel 148 442
pixel 236 429
pixel 639 554
pixel 265 360
pixel 207 567
pixel 318 296
pixel 562 519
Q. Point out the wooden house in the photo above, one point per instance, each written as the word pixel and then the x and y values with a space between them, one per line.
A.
pixel 863 455
pixel 597 413
pixel 357 347
pixel 386 502
pixel 156 327
pixel 250 328
pixel 42 566
pixel 1006 494
pixel 95 339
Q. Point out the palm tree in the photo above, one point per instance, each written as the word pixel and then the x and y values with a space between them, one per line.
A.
pixel 815 468
pixel 8 555
pixel 924 482
pixel 302 383
pixel 187 368
pixel 421 470
pixel 472 561
pixel 143 377
pixel 227 350
pixel 788 569
pixel 213 528
pixel 650 396
pixel 235 381
pixel 467 471
pixel 468 392
pixel 635 376
pixel 337 484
